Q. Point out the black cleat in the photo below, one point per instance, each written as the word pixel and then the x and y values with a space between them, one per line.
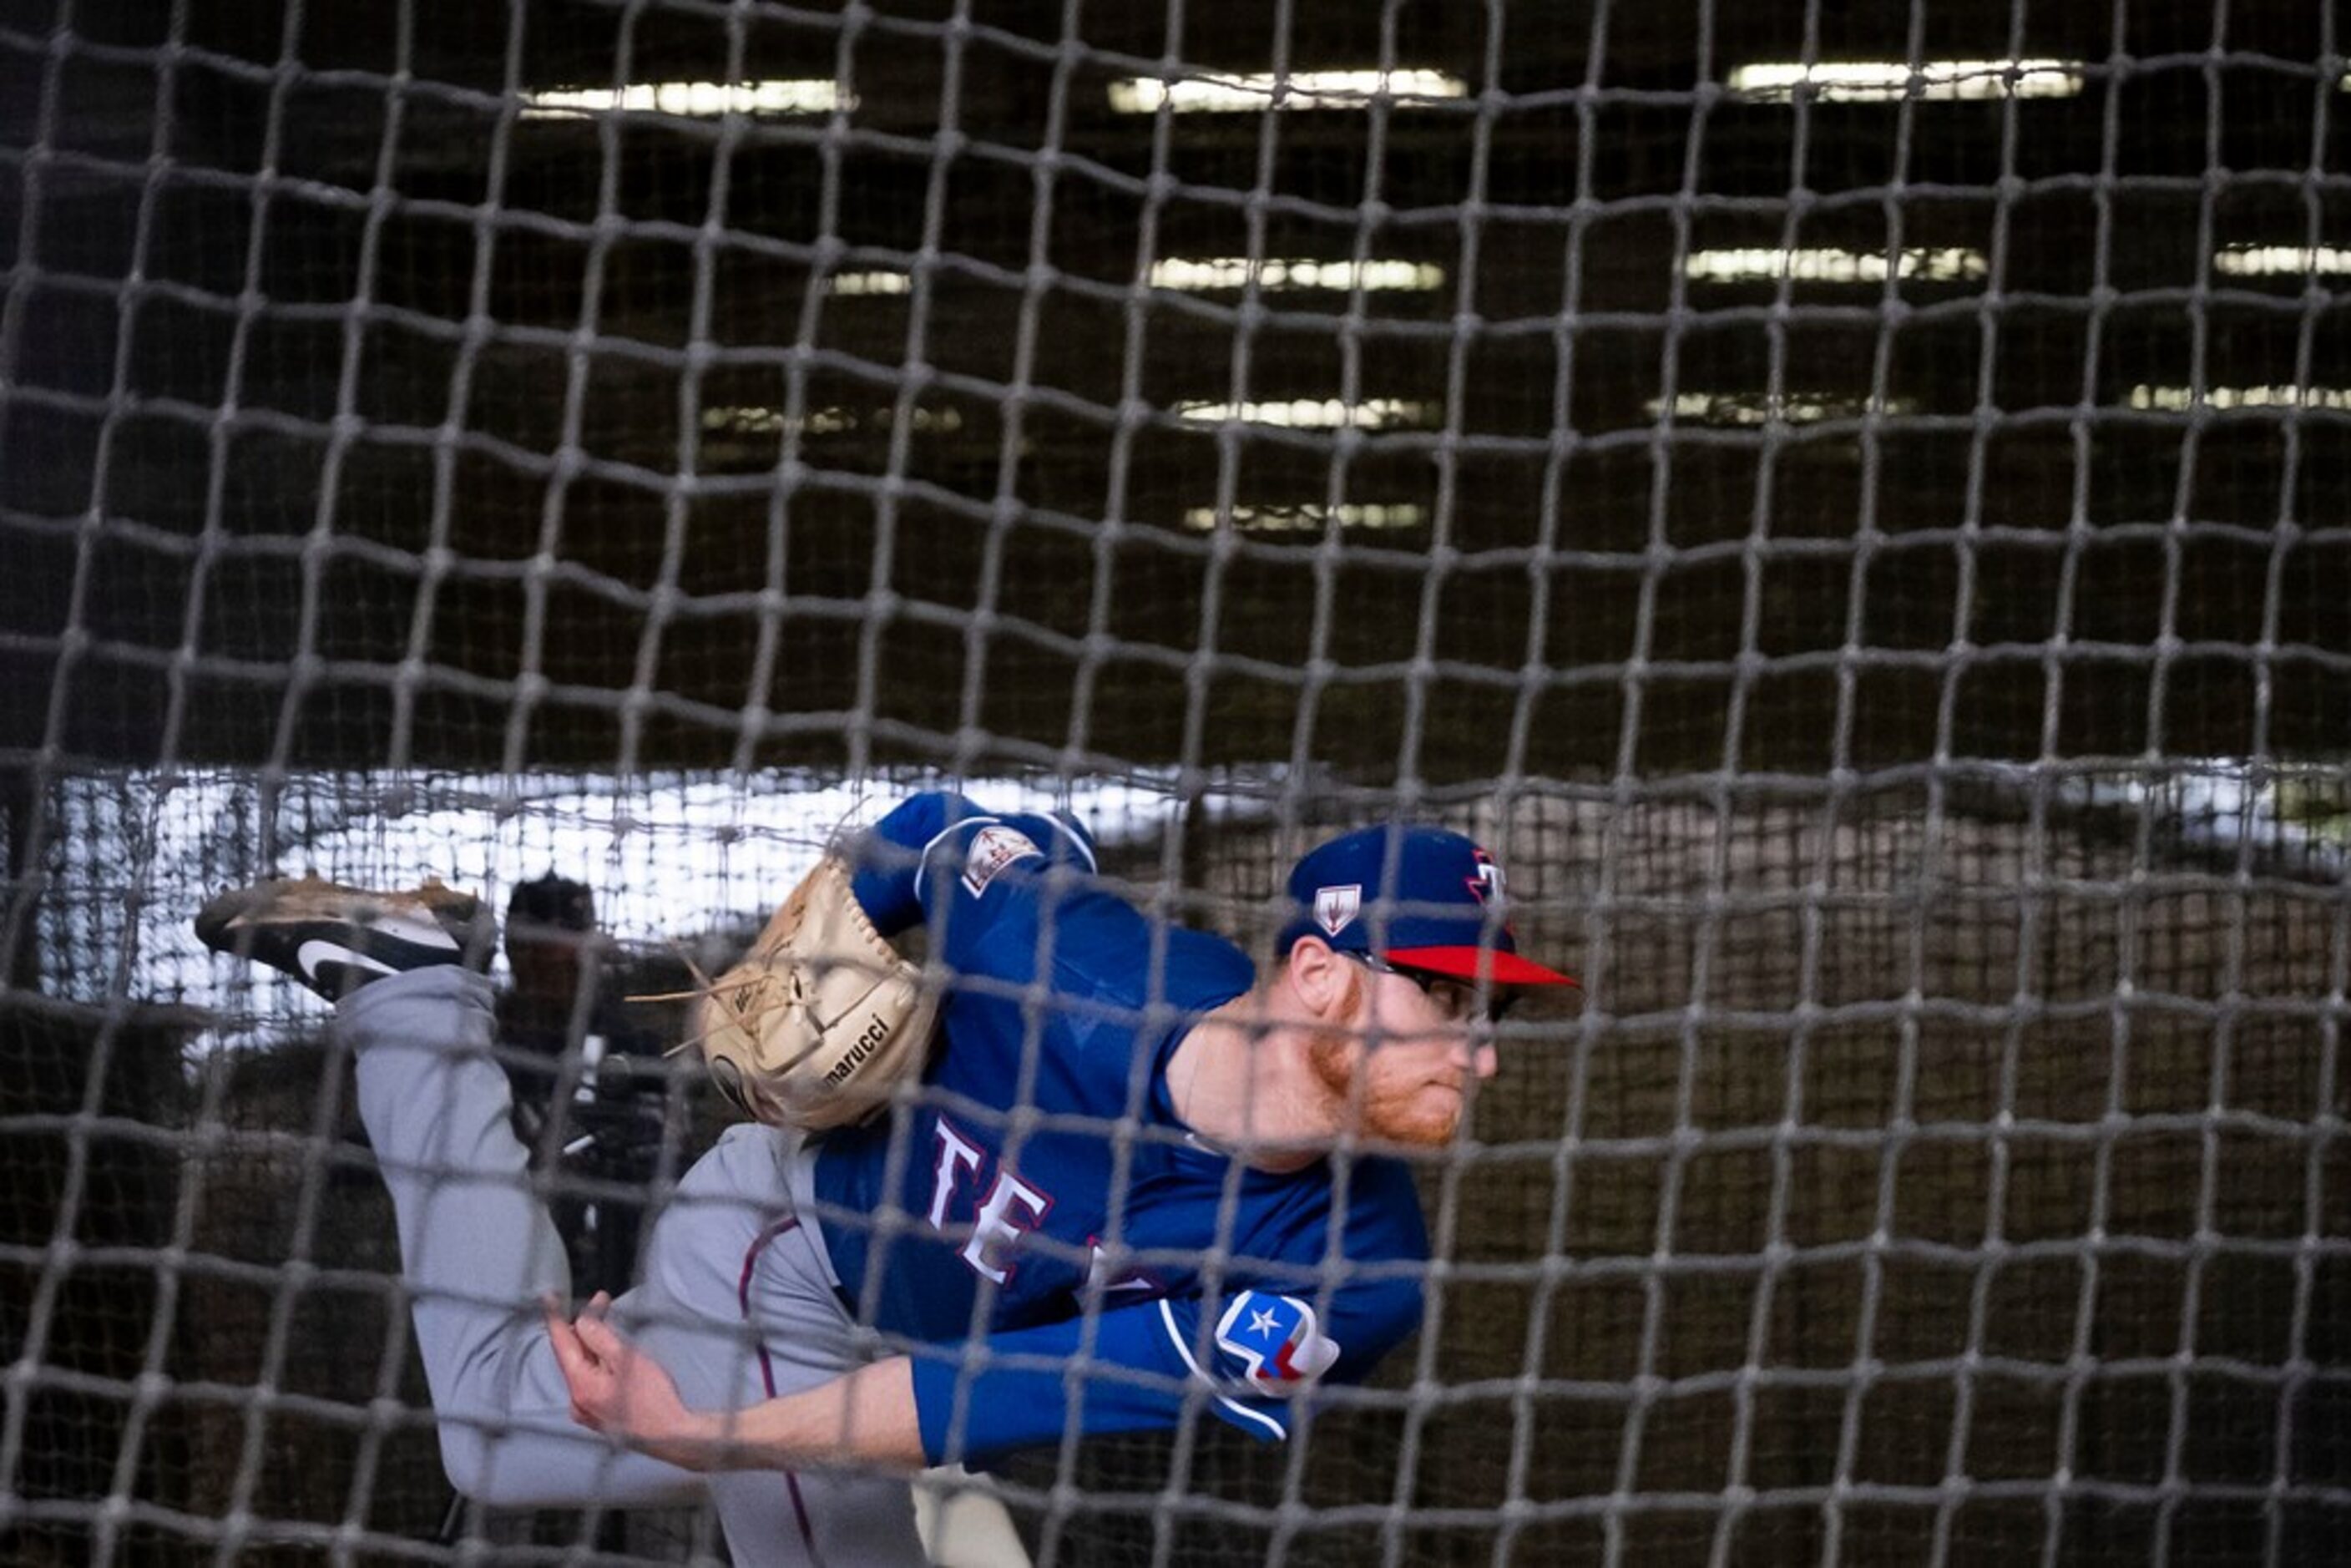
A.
pixel 335 939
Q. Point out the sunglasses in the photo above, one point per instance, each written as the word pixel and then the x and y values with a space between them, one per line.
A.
pixel 1455 998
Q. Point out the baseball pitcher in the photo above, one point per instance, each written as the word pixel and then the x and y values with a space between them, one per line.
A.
pixel 1076 1170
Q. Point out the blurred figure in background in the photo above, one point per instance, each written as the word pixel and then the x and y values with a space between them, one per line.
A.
pixel 586 1073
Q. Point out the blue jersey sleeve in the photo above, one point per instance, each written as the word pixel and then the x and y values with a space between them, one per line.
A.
pixel 1150 1361
pixel 931 843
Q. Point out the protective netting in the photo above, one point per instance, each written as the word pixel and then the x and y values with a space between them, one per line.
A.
pixel 1840 497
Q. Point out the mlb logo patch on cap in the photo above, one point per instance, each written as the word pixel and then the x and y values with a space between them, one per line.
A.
pixel 1422 898
pixel 1335 908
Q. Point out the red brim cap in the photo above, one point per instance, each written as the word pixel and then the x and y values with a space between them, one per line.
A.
pixel 1496 969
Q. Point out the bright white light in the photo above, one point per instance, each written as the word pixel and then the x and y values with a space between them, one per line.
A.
pixel 1943 265
pixel 672 857
pixel 699 99
pixel 1313 413
pixel 1299 89
pixel 2281 260
pixel 2174 400
pixel 1311 519
pixel 1211 274
pixel 1750 409
pixel 831 420
pixel 1885 81
pixel 880 281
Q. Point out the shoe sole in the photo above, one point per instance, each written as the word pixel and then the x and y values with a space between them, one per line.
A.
pixel 323 933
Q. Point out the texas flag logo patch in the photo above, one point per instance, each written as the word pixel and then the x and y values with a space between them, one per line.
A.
pixel 1271 1340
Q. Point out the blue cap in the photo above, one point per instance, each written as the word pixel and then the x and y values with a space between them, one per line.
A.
pixel 1421 898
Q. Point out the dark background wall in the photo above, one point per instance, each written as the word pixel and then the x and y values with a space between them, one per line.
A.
pixel 344 410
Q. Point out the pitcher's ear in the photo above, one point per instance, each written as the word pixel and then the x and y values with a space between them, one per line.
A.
pixel 1324 981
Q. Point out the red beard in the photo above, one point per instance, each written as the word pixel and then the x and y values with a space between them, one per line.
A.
pixel 1382 1093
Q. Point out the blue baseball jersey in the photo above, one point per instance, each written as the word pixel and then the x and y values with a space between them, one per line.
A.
pixel 1051 1225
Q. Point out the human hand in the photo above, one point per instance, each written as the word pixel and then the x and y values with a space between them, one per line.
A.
pixel 619 1390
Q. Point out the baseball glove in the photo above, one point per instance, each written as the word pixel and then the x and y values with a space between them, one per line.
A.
pixel 819 1022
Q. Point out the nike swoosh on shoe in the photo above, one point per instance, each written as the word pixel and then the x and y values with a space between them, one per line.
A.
pixel 316 954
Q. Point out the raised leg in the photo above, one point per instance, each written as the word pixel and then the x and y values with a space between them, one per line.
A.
pixel 736 1300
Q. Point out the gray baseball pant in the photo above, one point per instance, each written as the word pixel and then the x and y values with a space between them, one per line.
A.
pixel 736 1298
